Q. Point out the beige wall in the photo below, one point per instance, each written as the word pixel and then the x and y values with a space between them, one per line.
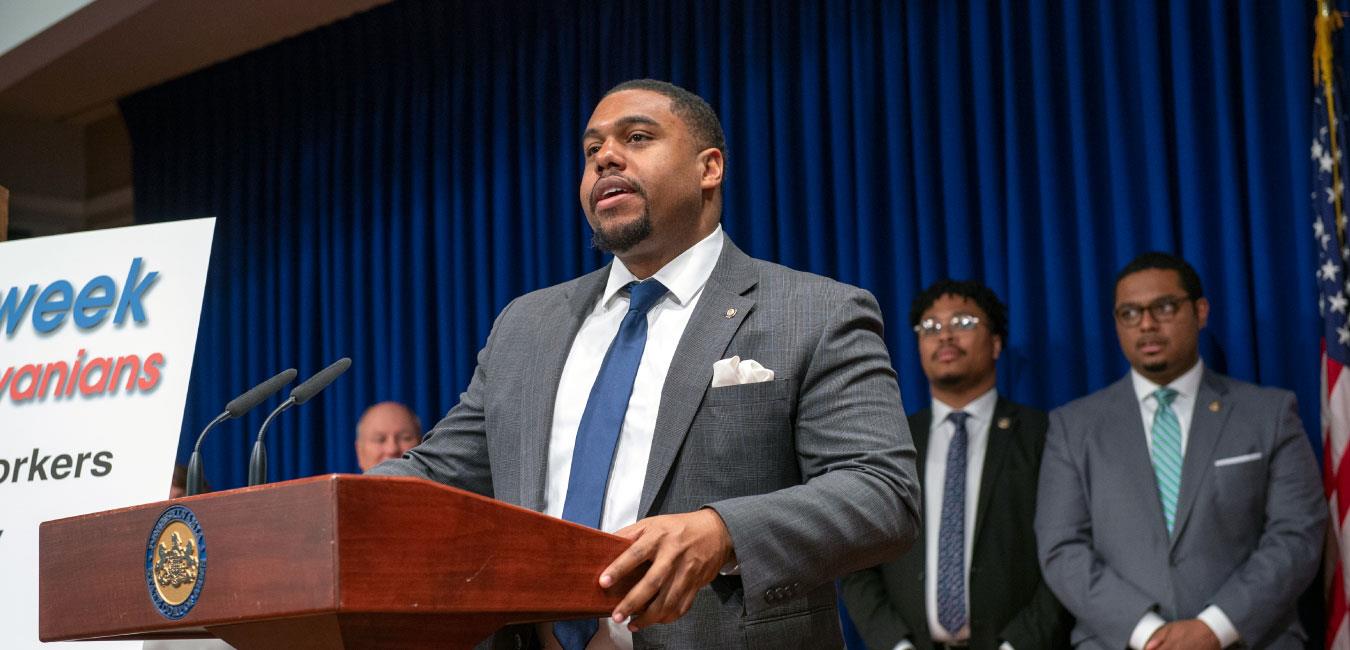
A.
pixel 107 173
pixel 66 177
pixel 41 158
pixel 4 214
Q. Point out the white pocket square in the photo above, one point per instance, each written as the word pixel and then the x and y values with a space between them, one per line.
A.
pixel 734 372
pixel 1235 460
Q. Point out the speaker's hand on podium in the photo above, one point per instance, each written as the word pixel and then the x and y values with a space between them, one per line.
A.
pixel 684 551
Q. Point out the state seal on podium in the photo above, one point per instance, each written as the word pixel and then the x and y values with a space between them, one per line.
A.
pixel 175 562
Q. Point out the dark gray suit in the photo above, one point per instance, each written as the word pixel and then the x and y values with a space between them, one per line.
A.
pixel 1248 532
pixel 812 472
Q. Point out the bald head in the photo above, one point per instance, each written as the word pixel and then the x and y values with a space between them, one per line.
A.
pixel 385 431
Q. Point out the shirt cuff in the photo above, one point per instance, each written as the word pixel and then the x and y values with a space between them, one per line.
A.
pixel 1005 646
pixel 904 644
pixel 1219 623
pixel 1145 629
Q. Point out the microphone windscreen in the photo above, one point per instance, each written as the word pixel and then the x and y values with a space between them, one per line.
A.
pixel 255 396
pixel 312 386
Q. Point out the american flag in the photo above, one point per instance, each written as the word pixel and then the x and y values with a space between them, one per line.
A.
pixel 1328 144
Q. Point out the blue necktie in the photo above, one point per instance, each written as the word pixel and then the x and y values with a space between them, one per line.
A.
pixel 951 582
pixel 598 433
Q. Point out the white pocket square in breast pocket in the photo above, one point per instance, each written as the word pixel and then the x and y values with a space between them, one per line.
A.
pixel 734 372
pixel 1238 460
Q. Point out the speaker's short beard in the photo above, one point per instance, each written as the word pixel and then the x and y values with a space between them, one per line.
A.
pixel 1156 366
pixel 624 237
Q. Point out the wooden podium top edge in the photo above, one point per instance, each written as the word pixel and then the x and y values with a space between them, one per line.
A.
pixel 333 479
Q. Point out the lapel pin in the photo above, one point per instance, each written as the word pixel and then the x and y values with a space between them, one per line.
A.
pixel 1214 406
pixel 1004 423
pixel 731 313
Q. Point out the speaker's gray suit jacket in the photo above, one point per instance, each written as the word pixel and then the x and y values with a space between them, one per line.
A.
pixel 813 472
pixel 1249 523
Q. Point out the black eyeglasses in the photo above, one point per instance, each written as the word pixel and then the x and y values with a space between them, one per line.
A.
pixel 1162 310
pixel 958 323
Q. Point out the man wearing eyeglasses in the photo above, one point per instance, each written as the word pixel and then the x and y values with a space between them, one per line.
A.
pixel 974 581
pixel 1178 508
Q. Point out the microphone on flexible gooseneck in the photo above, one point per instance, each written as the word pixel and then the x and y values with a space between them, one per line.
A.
pixel 257 461
pixel 196 482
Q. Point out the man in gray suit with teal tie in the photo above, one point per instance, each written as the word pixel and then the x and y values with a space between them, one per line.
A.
pixel 1178 508
pixel 738 420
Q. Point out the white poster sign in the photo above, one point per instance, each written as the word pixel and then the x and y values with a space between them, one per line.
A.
pixel 97 332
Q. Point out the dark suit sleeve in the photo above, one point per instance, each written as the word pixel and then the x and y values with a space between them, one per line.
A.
pixel 1103 601
pixel 455 451
pixel 858 503
pixel 1258 595
pixel 1043 623
pixel 871 608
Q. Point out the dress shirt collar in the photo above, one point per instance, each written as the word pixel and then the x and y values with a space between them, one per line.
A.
pixel 1187 385
pixel 980 410
pixel 684 276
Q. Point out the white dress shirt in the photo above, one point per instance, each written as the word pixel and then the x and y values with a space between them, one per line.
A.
pixel 685 277
pixel 1187 387
pixel 980 414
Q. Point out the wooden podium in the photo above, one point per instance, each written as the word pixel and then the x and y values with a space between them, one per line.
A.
pixel 328 562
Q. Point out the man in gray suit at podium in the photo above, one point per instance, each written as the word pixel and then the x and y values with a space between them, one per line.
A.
pixel 1178 508
pixel 737 419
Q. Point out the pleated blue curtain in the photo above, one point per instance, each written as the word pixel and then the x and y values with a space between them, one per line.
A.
pixel 384 185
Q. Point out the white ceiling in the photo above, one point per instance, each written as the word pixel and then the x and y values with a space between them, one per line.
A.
pixel 21 19
pixel 100 50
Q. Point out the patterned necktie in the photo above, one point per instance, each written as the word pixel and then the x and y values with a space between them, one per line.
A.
pixel 598 433
pixel 951 584
pixel 1167 453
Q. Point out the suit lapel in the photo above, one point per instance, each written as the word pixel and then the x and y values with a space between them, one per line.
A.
pixel 541 392
pixel 919 427
pixel 1206 429
pixel 996 449
pixel 705 339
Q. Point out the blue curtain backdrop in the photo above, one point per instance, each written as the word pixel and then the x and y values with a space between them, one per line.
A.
pixel 385 184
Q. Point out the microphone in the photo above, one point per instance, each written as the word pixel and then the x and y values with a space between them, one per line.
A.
pixel 257 461
pixel 196 482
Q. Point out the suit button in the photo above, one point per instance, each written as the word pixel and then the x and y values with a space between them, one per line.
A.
pixel 769 596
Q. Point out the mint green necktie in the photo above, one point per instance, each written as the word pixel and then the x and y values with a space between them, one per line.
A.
pixel 1167 453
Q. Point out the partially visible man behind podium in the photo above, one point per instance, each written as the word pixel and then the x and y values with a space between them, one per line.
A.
pixel 737 419
pixel 386 430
